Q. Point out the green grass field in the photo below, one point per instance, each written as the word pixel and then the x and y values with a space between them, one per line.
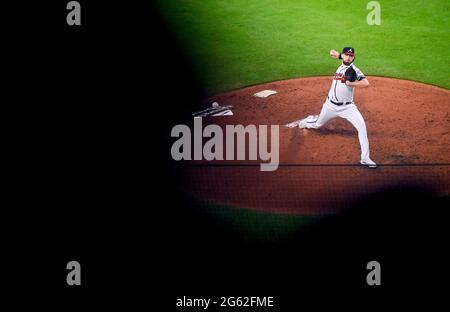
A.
pixel 258 226
pixel 235 43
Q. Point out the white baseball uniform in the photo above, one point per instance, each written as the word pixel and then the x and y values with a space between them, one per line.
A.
pixel 339 103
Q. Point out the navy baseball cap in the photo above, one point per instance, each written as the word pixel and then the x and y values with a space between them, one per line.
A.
pixel 348 50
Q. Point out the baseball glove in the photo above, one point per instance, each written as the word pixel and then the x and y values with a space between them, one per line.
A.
pixel 350 75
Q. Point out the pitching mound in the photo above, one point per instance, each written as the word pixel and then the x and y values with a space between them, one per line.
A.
pixel 408 126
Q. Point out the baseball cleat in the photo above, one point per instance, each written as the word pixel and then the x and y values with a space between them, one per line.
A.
pixel 369 163
pixel 293 124
pixel 309 119
pixel 302 124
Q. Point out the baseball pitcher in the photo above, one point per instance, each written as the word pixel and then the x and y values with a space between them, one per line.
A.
pixel 339 102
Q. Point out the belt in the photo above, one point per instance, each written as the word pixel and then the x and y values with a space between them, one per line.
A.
pixel 338 103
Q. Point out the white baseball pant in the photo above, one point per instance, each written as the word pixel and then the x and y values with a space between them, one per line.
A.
pixel 349 112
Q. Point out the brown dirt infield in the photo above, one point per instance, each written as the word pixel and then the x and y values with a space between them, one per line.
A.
pixel 408 125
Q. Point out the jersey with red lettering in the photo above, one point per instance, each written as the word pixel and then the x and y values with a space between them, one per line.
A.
pixel 339 91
